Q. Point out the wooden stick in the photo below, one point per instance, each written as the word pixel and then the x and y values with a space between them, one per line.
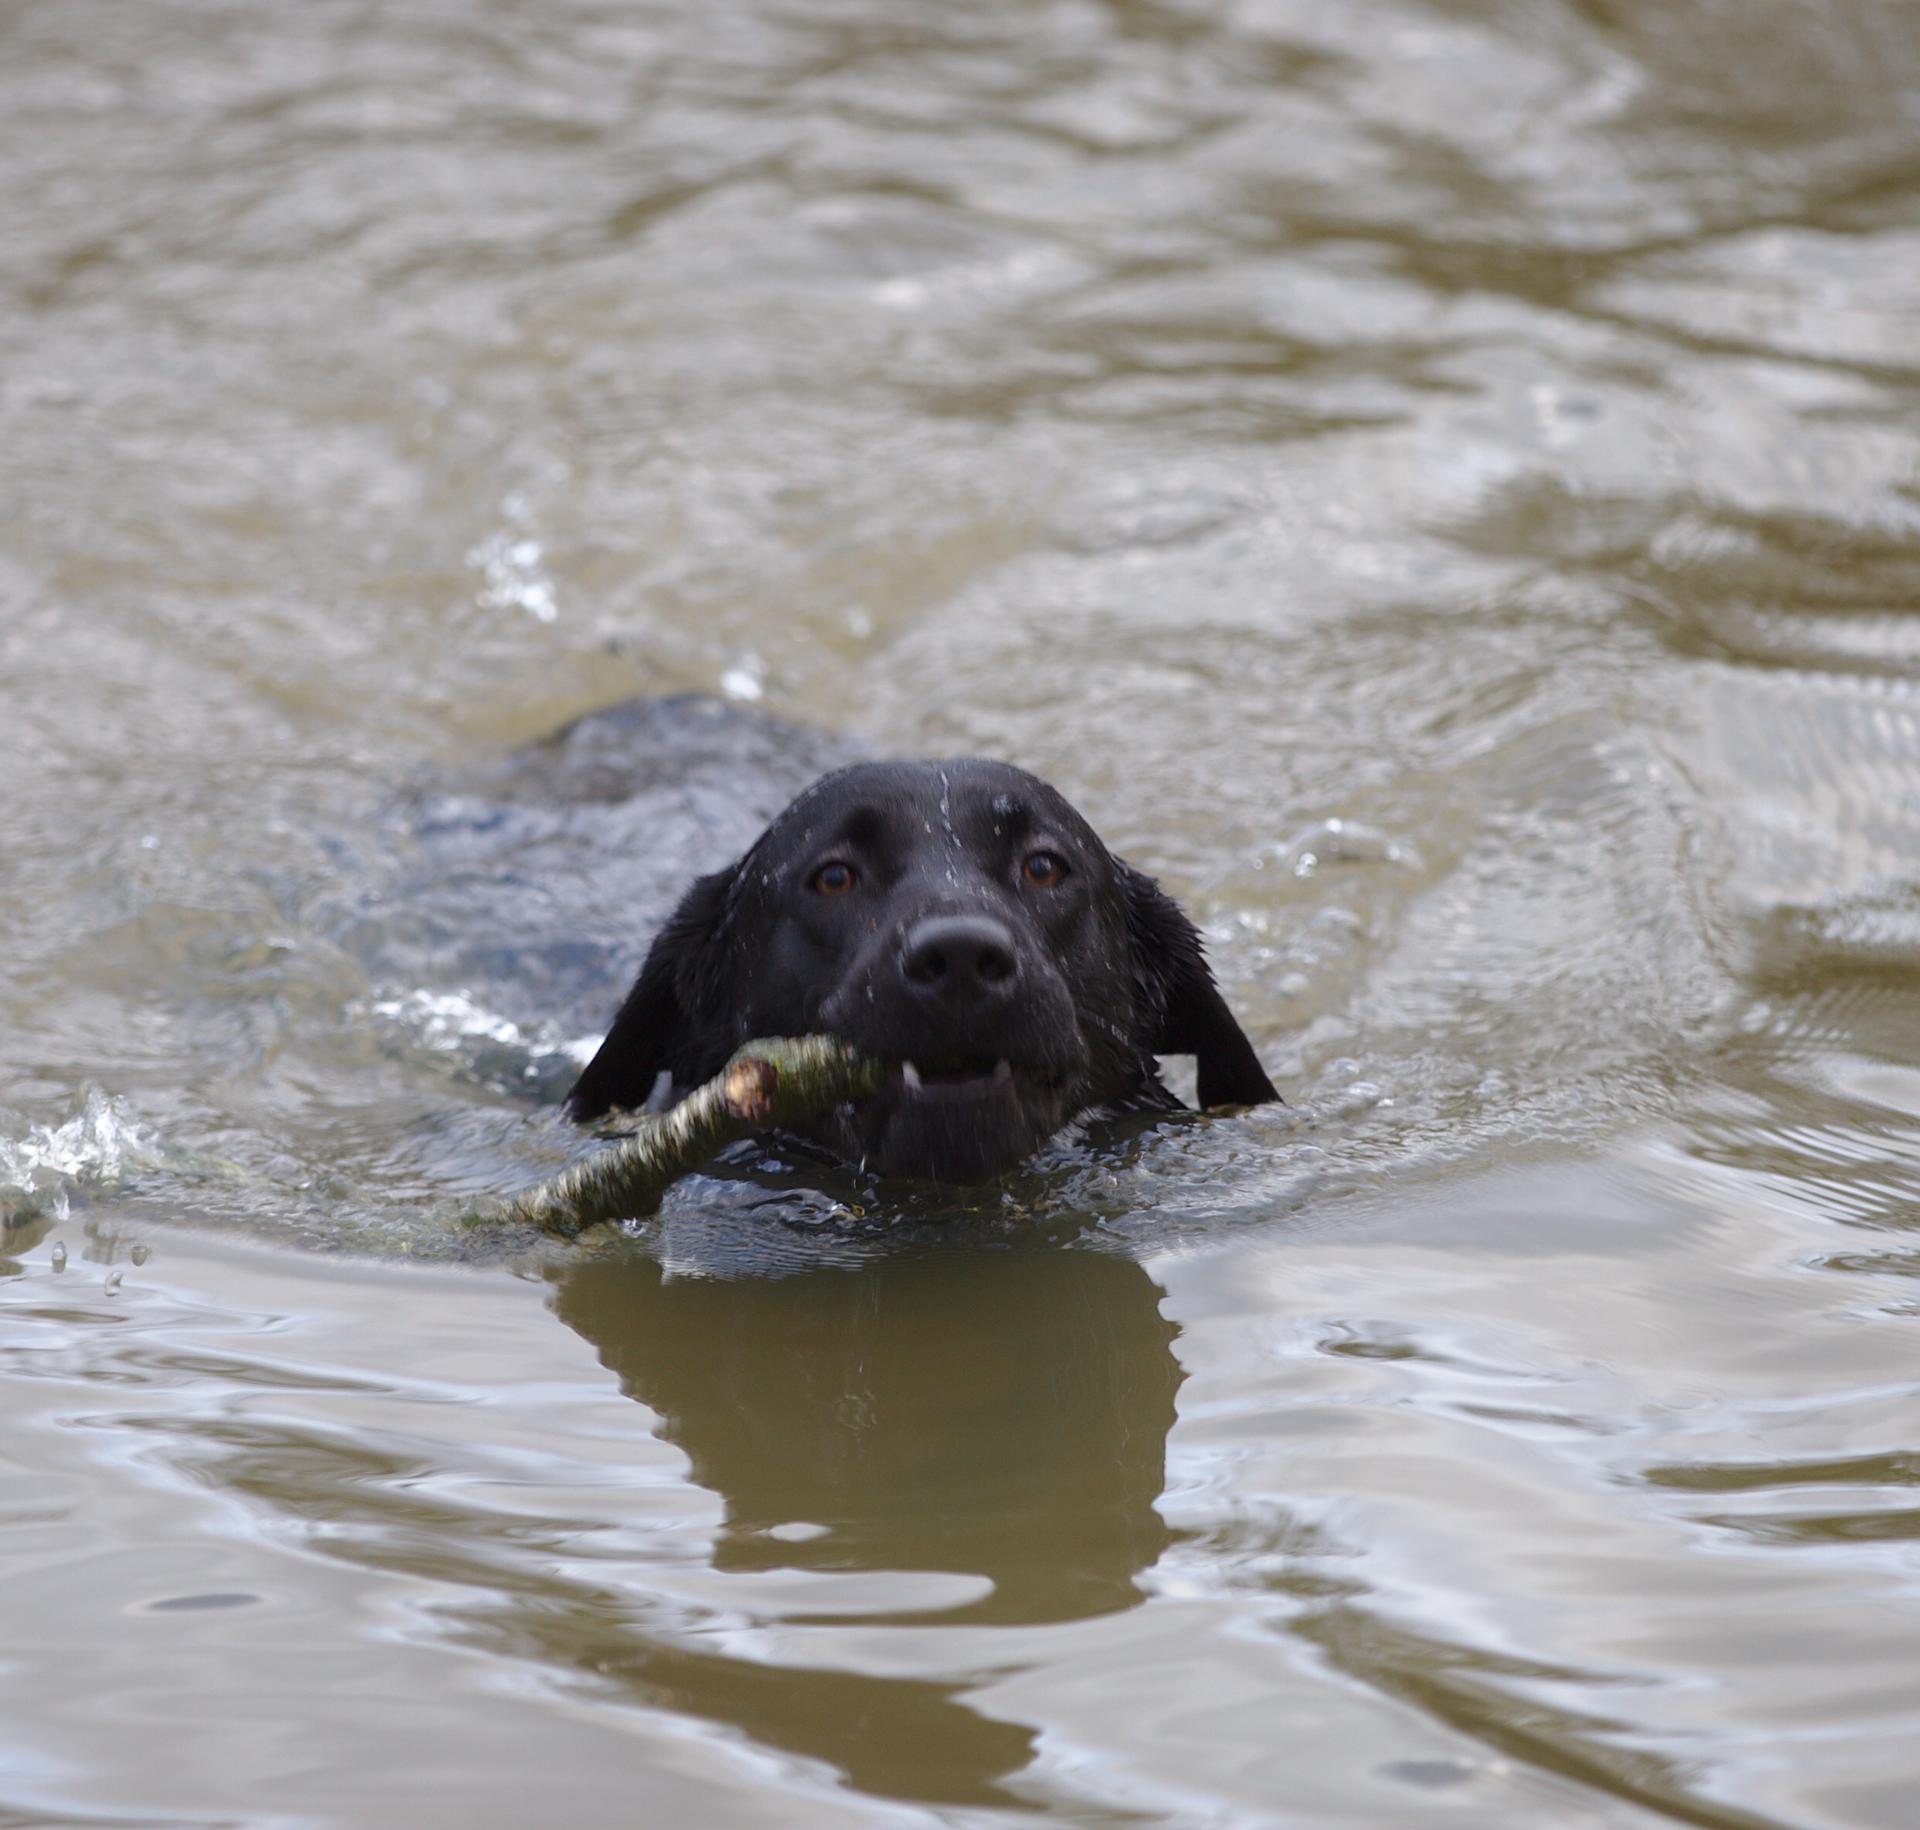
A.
pixel 780 1081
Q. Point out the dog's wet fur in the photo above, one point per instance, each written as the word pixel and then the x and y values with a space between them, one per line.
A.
pixel 959 921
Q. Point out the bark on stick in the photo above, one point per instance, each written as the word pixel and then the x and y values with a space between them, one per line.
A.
pixel 780 1081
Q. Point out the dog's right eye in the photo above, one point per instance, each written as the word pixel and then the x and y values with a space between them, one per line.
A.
pixel 833 879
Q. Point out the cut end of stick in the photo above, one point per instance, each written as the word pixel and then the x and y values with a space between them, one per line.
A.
pixel 749 1088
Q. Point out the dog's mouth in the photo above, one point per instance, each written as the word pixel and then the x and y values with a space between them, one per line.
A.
pixel 967 1094
pixel 954 1082
pixel 958 1118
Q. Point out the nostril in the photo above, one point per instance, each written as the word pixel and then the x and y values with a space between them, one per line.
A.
pixel 995 964
pixel 926 964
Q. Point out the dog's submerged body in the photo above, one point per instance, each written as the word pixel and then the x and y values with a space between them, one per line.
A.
pixel 959 920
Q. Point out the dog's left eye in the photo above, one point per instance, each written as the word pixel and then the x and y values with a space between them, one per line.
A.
pixel 833 879
pixel 1045 870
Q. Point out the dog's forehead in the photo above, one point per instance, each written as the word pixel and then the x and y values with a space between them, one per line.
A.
pixel 958 799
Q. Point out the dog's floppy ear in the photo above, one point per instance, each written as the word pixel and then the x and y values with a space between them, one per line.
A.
pixel 668 1020
pixel 1182 1006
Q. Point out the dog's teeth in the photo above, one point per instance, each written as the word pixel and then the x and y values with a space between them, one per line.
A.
pixel 911 1075
pixel 1002 1070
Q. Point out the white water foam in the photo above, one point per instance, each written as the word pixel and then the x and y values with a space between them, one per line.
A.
pixel 92 1149
pixel 453 1022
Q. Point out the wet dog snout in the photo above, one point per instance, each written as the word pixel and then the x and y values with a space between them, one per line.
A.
pixel 961 957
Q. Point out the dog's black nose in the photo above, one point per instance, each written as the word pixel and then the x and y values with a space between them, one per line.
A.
pixel 959 956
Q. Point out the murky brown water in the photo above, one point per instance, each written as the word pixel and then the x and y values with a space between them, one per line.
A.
pixel 1438 482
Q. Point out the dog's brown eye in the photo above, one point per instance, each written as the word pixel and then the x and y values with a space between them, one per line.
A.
pixel 833 879
pixel 1045 870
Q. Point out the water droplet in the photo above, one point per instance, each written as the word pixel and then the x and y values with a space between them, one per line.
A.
pixel 140 1254
pixel 112 1285
pixel 58 1256
pixel 797 1531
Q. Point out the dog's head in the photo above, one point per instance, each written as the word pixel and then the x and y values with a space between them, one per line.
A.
pixel 958 920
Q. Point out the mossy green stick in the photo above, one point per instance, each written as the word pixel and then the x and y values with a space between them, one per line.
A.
pixel 779 1081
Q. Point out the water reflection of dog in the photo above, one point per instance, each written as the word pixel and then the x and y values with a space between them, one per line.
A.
pixel 997 1414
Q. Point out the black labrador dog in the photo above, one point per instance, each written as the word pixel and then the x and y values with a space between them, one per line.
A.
pixel 959 920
